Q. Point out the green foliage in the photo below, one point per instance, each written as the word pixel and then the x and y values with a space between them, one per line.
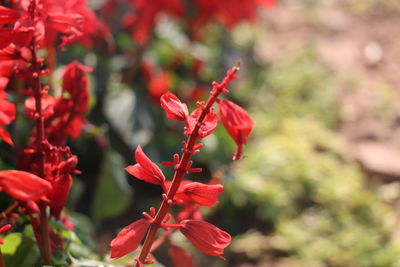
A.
pixel 112 188
pixel 312 200
pixel 19 250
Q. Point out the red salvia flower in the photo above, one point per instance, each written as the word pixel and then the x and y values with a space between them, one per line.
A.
pixel 23 32
pixel 7 115
pixel 23 185
pixel 175 109
pixel 208 126
pixel 202 194
pixel 179 257
pixel 237 122
pixel 206 237
pixel 158 85
pixel 47 106
pixel 129 238
pixel 145 169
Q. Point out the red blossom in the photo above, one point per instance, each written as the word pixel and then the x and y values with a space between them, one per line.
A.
pixel 179 257
pixel 206 237
pixel 158 85
pixel 202 194
pixel 129 238
pixel 7 115
pixel 61 182
pixel 209 124
pixel 24 186
pixel 175 109
pixel 23 31
pixel 145 169
pixel 47 104
pixel 237 122
pixel 71 106
pixel 142 21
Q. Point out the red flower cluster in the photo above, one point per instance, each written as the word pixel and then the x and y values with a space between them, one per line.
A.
pixel 46 179
pixel 198 124
pixel 145 13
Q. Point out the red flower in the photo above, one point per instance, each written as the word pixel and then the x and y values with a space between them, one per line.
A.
pixel 24 186
pixel 47 103
pixel 145 169
pixel 237 122
pixel 129 238
pixel 71 106
pixel 23 31
pixel 179 257
pixel 7 115
pixel 209 124
pixel 158 85
pixel 206 237
pixel 176 110
pixel 61 183
pixel 202 194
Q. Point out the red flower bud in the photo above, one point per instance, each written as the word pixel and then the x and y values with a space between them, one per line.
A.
pixel 206 237
pixel 129 238
pixel 24 186
pixel 237 122
pixel 145 169
pixel 202 194
pixel 176 110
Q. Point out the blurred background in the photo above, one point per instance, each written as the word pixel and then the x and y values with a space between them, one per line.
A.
pixel 319 181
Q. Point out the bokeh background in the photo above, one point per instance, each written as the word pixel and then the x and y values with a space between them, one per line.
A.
pixel 319 181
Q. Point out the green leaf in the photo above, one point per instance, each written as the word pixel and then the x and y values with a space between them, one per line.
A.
pixel 113 194
pixel 19 250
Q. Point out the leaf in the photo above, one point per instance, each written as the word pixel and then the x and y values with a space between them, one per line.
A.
pixel 19 250
pixel 113 194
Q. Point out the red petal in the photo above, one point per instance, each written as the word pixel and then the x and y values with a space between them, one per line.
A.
pixel 210 122
pixel 23 32
pixel 145 169
pixel 203 194
pixel 8 15
pixel 59 195
pixel 5 37
pixel 176 110
pixel 47 103
pixel 65 23
pixel 179 257
pixel 6 136
pixel 237 122
pixel 7 111
pixel 158 85
pixel 206 237
pixel 129 238
pixel 24 186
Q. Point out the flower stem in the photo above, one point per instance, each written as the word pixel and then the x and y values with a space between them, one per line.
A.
pixel 39 139
pixel 182 167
